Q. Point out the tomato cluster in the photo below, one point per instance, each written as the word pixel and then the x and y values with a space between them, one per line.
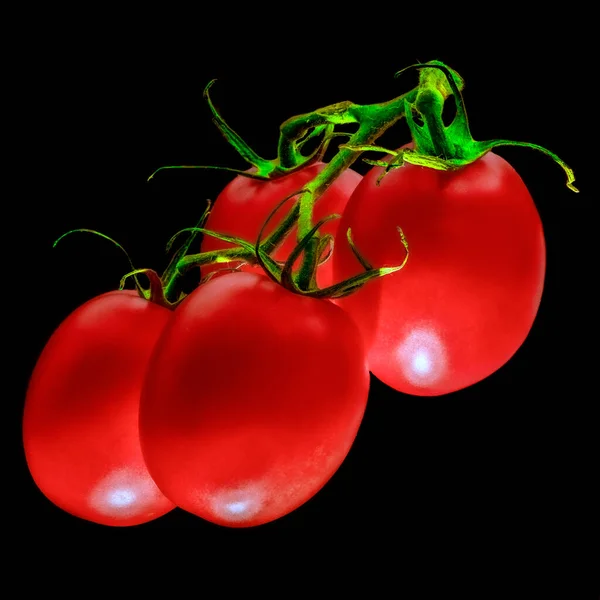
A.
pixel 239 401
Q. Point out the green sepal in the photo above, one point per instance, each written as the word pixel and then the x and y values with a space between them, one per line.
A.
pixel 134 271
pixel 366 265
pixel 355 283
pixel 447 147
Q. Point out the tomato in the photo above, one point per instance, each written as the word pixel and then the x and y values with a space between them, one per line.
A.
pixel 80 423
pixel 253 398
pixel 469 293
pixel 244 205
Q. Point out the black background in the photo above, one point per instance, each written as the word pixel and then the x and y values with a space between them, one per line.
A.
pixel 510 462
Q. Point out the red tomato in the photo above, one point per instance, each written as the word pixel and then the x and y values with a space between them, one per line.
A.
pixel 80 425
pixel 244 205
pixel 252 401
pixel 469 293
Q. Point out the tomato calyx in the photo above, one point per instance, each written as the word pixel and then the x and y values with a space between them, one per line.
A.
pixel 291 158
pixel 439 146
pixel 161 290
pixel 155 292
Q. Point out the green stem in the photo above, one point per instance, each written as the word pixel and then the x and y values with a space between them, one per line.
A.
pixel 295 131
pixel 435 146
pixel 171 275
pixel 373 121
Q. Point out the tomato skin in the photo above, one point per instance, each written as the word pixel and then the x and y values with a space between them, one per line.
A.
pixel 80 422
pixel 252 401
pixel 469 293
pixel 244 204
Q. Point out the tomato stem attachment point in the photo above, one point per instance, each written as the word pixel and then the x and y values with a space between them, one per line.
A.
pixel 153 292
pixel 449 147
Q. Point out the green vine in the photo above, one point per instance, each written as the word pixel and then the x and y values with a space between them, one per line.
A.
pixel 435 146
pixel 372 120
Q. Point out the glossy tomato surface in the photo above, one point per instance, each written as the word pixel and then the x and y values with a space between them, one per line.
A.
pixel 469 293
pixel 253 399
pixel 80 424
pixel 244 205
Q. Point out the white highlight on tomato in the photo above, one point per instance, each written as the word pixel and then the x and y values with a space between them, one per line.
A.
pixel 237 507
pixel 422 356
pixel 421 362
pixel 238 504
pixel 122 497
pixel 124 493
